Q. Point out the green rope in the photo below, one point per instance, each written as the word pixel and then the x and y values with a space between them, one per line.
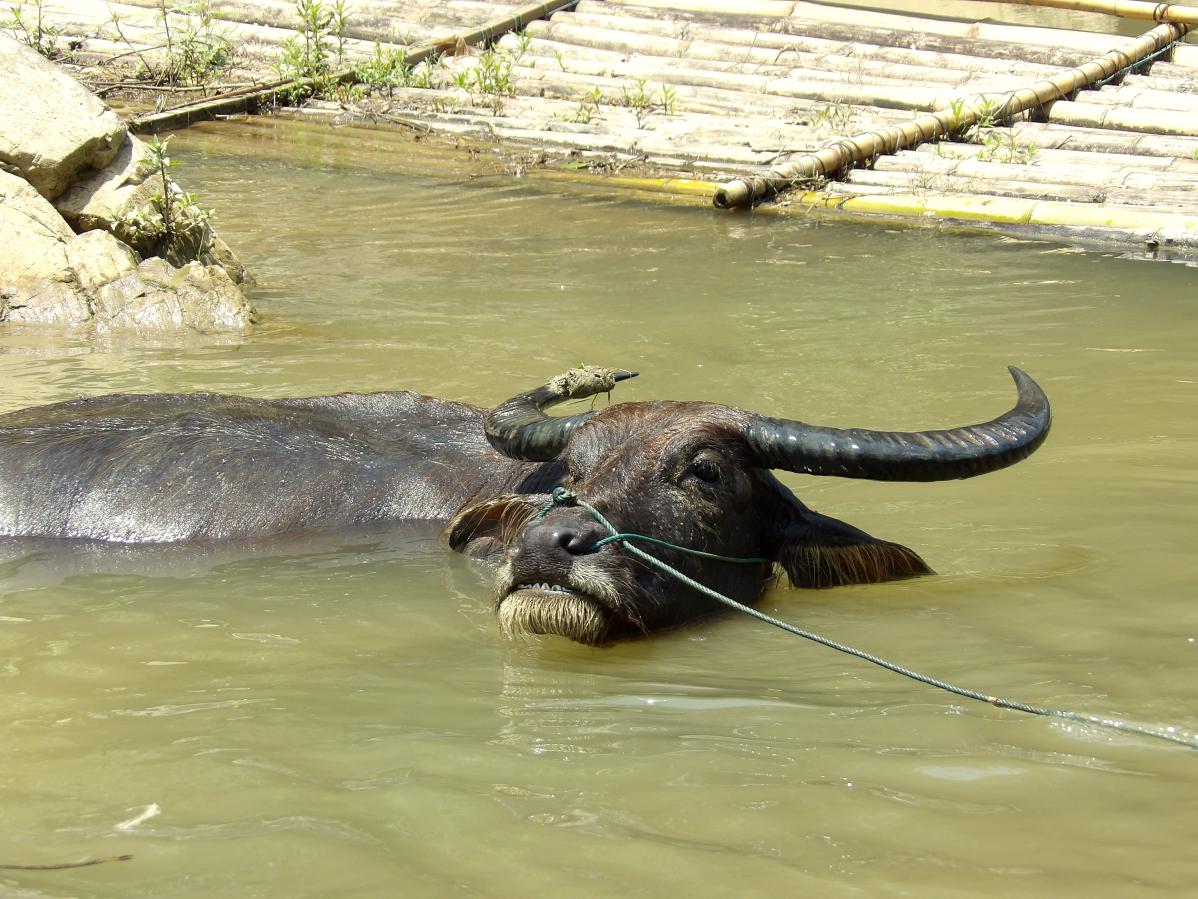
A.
pixel 620 538
pixel 563 497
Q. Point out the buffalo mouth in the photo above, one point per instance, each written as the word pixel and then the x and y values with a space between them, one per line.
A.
pixel 557 610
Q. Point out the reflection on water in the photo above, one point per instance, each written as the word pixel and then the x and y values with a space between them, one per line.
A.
pixel 337 716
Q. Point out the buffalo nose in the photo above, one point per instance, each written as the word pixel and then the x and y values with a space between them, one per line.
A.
pixel 575 538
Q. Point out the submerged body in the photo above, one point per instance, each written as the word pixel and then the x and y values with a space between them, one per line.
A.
pixel 170 468
pixel 204 467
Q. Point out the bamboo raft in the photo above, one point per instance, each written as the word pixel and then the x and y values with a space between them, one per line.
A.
pixel 794 106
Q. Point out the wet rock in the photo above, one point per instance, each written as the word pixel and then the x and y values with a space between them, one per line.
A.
pixel 157 295
pixel 82 218
pixel 51 127
pixel 36 283
pixel 50 275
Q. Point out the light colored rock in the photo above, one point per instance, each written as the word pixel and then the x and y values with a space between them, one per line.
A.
pixel 49 275
pixel 33 236
pixel 157 296
pixel 51 127
pixel 99 198
pixel 96 258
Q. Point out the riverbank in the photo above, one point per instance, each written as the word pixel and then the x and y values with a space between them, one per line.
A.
pixel 699 96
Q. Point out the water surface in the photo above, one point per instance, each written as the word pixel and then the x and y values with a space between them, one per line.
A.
pixel 337 716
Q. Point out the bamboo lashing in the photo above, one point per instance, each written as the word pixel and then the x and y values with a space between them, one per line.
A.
pixel 862 147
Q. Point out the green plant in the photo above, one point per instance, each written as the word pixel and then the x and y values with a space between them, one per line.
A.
pixel 41 37
pixel 588 107
pixel 387 68
pixel 171 218
pixel 307 56
pixel 492 74
pixel 834 116
pixel 635 97
pixel 197 50
pixel 523 42
pixel 668 97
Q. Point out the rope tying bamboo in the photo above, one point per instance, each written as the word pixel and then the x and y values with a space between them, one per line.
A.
pixel 859 148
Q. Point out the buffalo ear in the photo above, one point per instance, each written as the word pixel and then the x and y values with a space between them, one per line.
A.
pixel 818 551
pixel 487 527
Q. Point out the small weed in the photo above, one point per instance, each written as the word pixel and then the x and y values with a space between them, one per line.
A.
pixel 197 50
pixel 523 43
pixel 41 37
pixel 307 57
pixel 835 117
pixel 635 98
pixel 172 217
pixel 641 102
pixel 490 76
pixel 668 96
pixel 1000 145
pixel 944 153
pixel 386 69
pixel 588 108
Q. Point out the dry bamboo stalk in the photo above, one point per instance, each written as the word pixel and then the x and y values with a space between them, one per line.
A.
pixel 834 56
pixel 1134 97
pixel 859 21
pixel 1151 121
pixel 1091 173
pixel 240 101
pixel 920 183
pixel 895 86
pixel 844 153
pixel 900 34
pixel 1099 141
pixel 1046 154
pixel 761 8
pixel 1128 9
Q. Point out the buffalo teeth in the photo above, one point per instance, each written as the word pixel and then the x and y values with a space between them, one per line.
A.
pixel 549 588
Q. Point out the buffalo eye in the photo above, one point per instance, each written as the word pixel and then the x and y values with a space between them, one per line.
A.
pixel 706 470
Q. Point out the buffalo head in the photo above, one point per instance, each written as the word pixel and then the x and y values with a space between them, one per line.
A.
pixel 698 475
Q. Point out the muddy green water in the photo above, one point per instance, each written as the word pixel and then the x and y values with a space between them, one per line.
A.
pixel 339 717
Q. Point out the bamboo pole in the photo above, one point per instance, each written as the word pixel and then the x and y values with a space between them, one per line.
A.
pixel 860 34
pixel 1127 9
pixel 831 159
pixel 767 50
pixel 242 100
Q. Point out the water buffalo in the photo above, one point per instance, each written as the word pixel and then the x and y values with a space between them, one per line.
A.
pixel 206 467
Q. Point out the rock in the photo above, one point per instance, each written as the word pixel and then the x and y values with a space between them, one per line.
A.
pixel 36 282
pixel 59 143
pixel 99 198
pixel 158 296
pixel 96 258
pixel 50 275
pixel 33 236
pixel 51 127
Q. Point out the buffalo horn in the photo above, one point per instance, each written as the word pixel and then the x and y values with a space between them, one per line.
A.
pixel 902 456
pixel 519 427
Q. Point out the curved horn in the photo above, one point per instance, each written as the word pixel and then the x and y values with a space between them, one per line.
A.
pixel 901 456
pixel 519 427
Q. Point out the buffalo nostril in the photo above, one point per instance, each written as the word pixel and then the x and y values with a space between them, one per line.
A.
pixel 574 542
